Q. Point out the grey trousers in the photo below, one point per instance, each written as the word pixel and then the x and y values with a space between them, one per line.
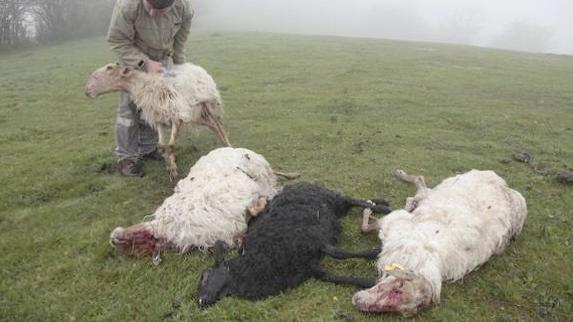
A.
pixel 133 136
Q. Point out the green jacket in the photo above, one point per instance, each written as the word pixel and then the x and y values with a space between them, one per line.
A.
pixel 136 36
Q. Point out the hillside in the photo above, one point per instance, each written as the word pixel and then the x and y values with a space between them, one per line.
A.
pixel 345 112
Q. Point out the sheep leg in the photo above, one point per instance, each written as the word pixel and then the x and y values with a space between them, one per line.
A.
pixel 417 180
pixel 214 123
pixel 337 253
pixel 162 146
pixel 239 242
pixel 421 189
pixel 220 248
pixel 161 137
pixel 326 276
pixel 220 131
pixel 175 131
pixel 287 175
pixel 257 206
pixel 366 225
pixel 167 152
pixel 381 207
pixel 411 204
pixel 171 164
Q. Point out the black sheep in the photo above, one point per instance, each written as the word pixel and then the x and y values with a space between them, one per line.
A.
pixel 284 245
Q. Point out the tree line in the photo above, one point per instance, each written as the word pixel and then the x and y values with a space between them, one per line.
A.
pixel 24 22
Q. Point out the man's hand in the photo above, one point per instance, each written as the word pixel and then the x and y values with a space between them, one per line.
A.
pixel 152 66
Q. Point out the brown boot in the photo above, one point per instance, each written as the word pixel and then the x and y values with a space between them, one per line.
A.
pixel 130 168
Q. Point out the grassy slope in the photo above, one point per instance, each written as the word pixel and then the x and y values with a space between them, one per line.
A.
pixel 346 112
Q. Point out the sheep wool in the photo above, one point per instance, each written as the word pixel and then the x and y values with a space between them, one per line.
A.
pixel 210 204
pixel 284 246
pixel 175 96
pixel 448 231
pixel 185 94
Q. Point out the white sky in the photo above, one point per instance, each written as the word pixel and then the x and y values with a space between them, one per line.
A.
pixel 533 25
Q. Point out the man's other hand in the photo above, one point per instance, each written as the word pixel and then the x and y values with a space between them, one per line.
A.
pixel 152 66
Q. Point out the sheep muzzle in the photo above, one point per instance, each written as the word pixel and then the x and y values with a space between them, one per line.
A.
pixel 90 92
pixel 378 299
pixel 402 293
pixel 137 240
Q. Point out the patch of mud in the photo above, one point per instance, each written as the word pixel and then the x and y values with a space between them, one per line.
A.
pixel 565 177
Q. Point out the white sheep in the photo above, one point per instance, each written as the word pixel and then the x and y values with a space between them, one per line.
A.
pixel 441 235
pixel 187 93
pixel 214 202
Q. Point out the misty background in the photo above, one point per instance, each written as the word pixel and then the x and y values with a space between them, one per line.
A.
pixel 527 25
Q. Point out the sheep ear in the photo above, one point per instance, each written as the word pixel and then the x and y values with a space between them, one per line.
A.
pixel 126 71
pixel 219 253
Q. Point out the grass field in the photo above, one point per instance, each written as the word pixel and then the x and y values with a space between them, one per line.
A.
pixel 345 112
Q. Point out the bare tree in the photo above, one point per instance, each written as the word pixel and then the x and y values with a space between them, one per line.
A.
pixel 58 20
pixel 51 20
pixel 12 18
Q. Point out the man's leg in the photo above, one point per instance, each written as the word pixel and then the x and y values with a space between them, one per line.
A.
pixel 127 137
pixel 147 138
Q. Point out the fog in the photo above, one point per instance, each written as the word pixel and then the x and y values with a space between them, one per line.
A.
pixel 525 25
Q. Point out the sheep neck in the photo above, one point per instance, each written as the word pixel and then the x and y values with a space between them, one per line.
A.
pixel 248 280
pixel 424 263
pixel 430 270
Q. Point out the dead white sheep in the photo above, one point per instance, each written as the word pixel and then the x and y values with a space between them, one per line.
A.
pixel 441 235
pixel 214 202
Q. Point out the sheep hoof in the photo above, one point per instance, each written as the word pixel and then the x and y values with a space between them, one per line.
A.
pixel 156 259
pixel 257 206
pixel 380 202
pixel 366 226
pixel 167 150
pixel 173 175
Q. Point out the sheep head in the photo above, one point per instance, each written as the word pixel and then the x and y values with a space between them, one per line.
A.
pixel 216 281
pixel 137 240
pixel 401 291
pixel 109 78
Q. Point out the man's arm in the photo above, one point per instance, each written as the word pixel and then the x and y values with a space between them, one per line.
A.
pixel 121 36
pixel 181 38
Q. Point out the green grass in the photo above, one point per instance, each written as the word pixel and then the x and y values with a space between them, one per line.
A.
pixel 345 112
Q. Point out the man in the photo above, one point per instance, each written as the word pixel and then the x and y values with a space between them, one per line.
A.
pixel 144 34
